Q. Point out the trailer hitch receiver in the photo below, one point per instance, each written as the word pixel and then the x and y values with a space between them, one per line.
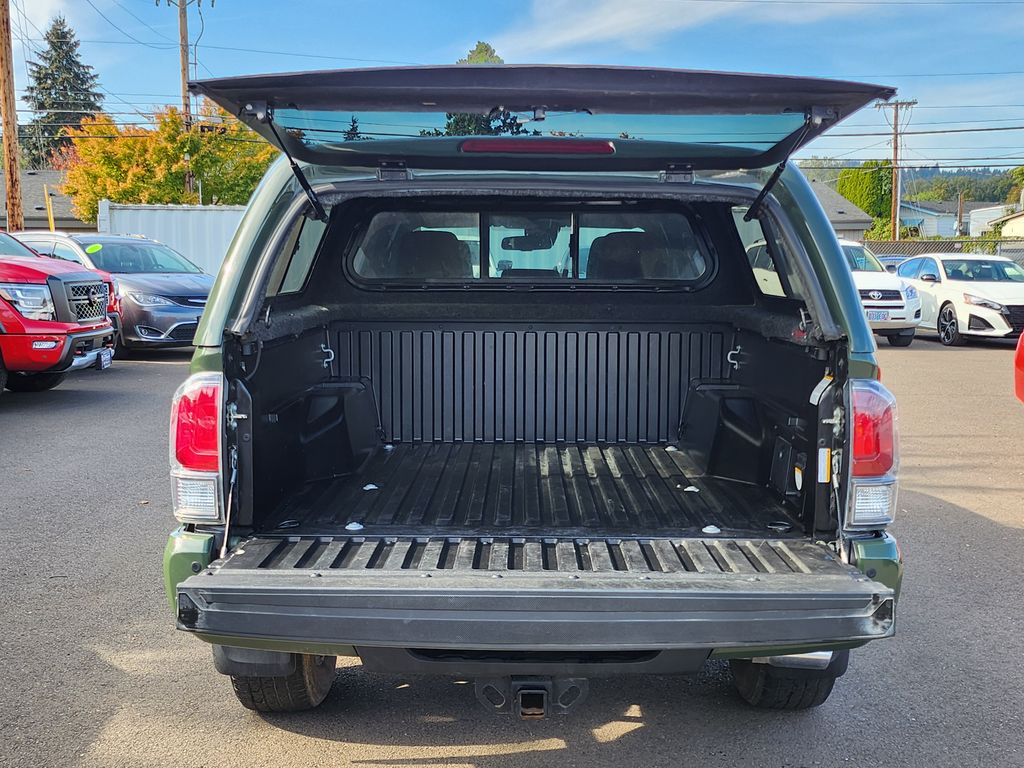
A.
pixel 531 698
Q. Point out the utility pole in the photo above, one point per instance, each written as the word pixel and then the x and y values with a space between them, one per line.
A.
pixel 9 120
pixel 186 102
pixel 894 232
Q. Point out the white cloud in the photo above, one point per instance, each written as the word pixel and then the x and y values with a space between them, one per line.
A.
pixel 555 25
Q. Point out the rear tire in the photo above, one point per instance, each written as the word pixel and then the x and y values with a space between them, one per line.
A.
pixel 768 687
pixel 899 340
pixel 34 382
pixel 948 328
pixel 3 377
pixel 303 689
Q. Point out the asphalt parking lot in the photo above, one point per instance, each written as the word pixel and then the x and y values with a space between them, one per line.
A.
pixel 96 675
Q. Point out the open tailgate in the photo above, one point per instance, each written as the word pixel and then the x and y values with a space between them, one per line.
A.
pixel 546 118
pixel 540 594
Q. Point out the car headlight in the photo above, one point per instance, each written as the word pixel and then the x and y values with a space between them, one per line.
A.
pixel 910 292
pixel 979 301
pixel 33 302
pixel 149 300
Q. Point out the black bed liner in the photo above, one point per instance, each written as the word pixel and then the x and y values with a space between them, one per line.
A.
pixel 625 490
pixel 386 554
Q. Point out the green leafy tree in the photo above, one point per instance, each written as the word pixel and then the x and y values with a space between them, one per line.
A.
pixel 1013 196
pixel 869 187
pixel 62 91
pixel 127 164
pixel 982 184
pixel 482 53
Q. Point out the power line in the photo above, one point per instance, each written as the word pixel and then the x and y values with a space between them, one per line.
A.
pixel 934 133
pixel 934 74
pixel 929 166
pixel 906 3
pixel 111 23
pixel 970 106
pixel 945 122
pixel 298 54
pixel 142 21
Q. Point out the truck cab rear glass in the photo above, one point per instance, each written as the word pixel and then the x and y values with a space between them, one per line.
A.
pixel 559 247
pixel 327 129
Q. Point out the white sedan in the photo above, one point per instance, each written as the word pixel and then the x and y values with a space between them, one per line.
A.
pixel 892 305
pixel 967 295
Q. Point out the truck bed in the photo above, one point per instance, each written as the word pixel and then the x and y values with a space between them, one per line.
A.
pixel 495 489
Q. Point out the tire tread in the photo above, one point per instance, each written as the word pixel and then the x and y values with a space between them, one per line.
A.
pixel 303 689
pixel 764 687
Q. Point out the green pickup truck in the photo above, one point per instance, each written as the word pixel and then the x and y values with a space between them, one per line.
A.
pixel 488 387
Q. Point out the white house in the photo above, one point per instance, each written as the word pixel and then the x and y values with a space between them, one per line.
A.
pixel 939 219
pixel 1013 224
pixel 982 219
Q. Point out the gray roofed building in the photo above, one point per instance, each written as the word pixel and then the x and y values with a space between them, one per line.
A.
pixel 849 221
pixel 938 218
pixel 34 202
pixel 950 206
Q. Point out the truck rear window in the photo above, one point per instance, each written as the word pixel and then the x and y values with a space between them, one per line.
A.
pixel 554 247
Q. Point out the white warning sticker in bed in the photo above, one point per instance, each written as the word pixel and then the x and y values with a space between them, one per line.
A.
pixel 824 465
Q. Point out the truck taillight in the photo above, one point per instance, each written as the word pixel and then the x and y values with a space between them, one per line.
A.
pixel 874 429
pixel 196 424
pixel 874 462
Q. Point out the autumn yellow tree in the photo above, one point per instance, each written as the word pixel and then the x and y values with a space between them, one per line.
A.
pixel 133 164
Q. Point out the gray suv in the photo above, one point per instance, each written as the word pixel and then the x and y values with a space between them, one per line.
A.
pixel 163 294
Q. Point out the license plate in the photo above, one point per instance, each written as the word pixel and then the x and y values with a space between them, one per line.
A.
pixel 105 359
pixel 877 315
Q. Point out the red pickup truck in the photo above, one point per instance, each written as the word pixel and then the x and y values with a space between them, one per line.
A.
pixel 53 319
pixel 1019 369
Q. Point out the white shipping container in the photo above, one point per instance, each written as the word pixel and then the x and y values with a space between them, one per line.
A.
pixel 201 233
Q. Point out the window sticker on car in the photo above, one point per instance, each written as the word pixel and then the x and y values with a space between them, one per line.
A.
pixel 94 248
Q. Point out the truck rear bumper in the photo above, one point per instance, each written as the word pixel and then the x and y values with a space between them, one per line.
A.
pixel 718 594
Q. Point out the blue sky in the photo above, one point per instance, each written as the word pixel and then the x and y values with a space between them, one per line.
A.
pixel 923 47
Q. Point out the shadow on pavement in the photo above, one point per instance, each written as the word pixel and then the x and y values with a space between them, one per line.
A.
pixel 920 699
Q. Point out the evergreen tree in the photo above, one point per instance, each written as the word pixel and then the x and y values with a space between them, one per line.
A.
pixel 61 92
pixel 352 133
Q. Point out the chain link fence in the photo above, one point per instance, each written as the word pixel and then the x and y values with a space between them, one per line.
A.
pixel 1011 249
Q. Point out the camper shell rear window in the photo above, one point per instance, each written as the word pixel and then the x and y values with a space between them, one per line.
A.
pixel 612 244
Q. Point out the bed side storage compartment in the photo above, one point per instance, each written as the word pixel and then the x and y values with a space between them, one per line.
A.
pixel 760 426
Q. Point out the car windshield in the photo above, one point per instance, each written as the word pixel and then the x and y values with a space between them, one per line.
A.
pixel 861 259
pixel 983 271
pixel 134 257
pixel 11 247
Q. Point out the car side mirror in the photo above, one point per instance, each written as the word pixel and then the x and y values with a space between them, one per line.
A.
pixel 891 269
pixel 930 278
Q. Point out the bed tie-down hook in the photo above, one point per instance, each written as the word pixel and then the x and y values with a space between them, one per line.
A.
pixel 328 355
pixel 735 357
